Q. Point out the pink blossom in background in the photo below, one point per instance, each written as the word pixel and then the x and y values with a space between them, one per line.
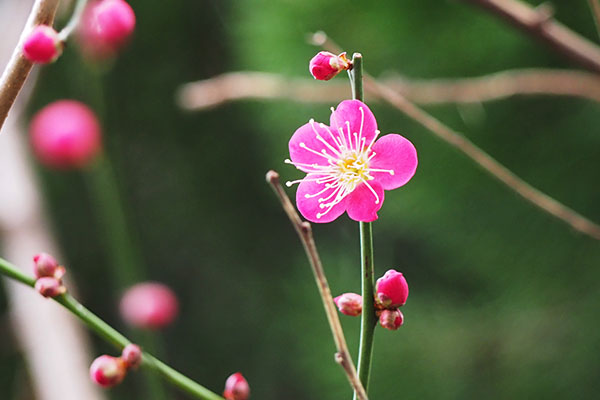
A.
pixel 42 45
pixel 236 387
pixel 65 134
pixel 150 305
pixel 391 289
pixel 326 65
pixel 106 27
pixel 347 168
pixel 108 371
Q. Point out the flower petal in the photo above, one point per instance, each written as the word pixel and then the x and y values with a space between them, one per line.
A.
pixel 310 207
pixel 393 152
pixel 359 117
pixel 306 147
pixel 362 203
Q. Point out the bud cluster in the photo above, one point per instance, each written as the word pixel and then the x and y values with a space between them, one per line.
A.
pixel 48 275
pixel 108 371
pixel 391 292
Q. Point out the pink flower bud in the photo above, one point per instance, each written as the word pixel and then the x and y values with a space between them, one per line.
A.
pixel 326 65
pixel 108 371
pixel 149 305
pixel 49 287
pixel 42 45
pixel 65 134
pixel 45 265
pixel 132 355
pixel 236 387
pixel 392 289
pixel 391 319
pixel 349 304
pixel 105 27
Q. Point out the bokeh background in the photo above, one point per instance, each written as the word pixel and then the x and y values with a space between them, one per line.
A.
pixel 504 298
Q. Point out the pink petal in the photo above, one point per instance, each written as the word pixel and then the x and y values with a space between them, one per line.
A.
pixel 350 111
pixel 362 205
pixel 393 152
pixel 306 134
pixel 310 207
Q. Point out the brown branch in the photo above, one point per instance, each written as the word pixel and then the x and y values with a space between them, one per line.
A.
pixel 595 8
pixel 480 157
pixel 304 231
pixel 265 86
pixel 18 66
pixel 538 22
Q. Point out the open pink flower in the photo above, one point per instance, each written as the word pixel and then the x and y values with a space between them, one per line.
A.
pixel 347 168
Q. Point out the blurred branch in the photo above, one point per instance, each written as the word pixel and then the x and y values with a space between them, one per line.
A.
pixel 112 336
pixel 595 8
pixel 304 231
pixel 18 66
pixel 458 141
pixel 539 23
pixel 261 85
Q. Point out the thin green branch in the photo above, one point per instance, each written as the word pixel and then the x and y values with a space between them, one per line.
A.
pixel 113 337
pixel 367 318
pixel 73 21
pixel 595 8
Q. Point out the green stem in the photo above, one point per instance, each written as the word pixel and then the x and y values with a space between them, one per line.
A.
pixel 368 319
pixel 113 337
pixel 73 21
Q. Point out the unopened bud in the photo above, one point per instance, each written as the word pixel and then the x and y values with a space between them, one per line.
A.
pixel 149 305
pixel 132 355
pixel 43 45
pixel 391 319
pixel 45 265
pixel 326 65
pixel 50 287
pixel 349 304
pixel 392 289
pixel 236 387
pixel 108 371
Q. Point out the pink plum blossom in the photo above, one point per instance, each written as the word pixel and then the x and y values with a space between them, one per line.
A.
pixel 150 305
pixel 43 45
pixel 347 168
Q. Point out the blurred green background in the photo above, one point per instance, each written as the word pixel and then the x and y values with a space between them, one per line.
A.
pixel 504 298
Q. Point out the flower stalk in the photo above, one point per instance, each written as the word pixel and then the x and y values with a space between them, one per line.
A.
pixel 112 336
pixel 368 318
